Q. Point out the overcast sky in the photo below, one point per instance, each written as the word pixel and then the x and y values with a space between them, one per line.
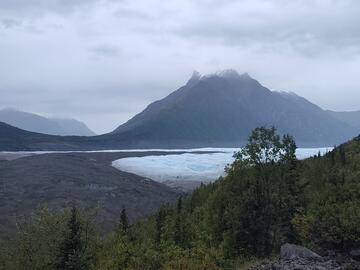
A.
pixel 104 61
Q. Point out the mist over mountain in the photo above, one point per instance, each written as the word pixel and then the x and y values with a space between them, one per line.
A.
pixel 37 123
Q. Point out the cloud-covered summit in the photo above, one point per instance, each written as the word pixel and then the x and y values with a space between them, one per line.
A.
pixel 121 55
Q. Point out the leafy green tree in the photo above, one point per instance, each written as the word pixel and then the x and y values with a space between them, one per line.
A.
pixel 36 243
pixel 265 170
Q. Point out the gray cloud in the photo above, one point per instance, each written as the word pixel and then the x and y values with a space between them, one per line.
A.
pixel 103 61
pixel 106 50
pixel 311 30
pixel 129 13
pixel 9 23
pixel 36 7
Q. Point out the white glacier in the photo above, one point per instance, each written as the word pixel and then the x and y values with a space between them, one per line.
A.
pixel 190 166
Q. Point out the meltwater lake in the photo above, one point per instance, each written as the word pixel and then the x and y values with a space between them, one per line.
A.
pixel 191 166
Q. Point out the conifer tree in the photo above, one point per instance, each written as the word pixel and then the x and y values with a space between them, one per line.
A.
pixel 342 155
pixel 124 222
pixel 160 220
pixel 71 251
pixel 178 230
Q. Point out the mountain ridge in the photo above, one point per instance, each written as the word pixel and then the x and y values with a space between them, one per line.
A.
pixel 216 110
pixel 350 117
pixel 243 99
pixel 46 125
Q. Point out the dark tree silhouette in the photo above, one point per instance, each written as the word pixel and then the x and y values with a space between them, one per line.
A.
pixel 70 255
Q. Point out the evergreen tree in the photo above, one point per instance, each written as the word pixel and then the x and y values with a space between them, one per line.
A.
pixel 290 199
pixel 124 222
pixel 122 242
pixel 71 250
pixel 342 155
pixel 178 230
pixel 332 158
pixel 160 220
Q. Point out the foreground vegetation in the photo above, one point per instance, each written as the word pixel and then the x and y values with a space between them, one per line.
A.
pixel 267 198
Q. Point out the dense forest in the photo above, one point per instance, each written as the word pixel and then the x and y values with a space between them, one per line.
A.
pixel 266 199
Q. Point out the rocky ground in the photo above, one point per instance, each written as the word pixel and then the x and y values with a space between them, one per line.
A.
pixel 184 186
pixel 294 257
pixel 86 179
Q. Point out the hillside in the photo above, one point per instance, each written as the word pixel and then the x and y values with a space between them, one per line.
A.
pixel 352 118
pixel 15 139
pixel 267 199
pixel 40 124
pixel 260 205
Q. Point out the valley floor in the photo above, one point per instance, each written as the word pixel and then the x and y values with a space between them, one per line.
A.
pixel 86 179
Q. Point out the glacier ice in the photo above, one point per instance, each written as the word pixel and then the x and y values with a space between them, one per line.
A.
pixel 190 166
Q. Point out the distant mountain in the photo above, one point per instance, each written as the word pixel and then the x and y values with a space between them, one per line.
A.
pixel 221 110
pixel 217 110
pixel 352 118
pixel 15 139
pixel 40 124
